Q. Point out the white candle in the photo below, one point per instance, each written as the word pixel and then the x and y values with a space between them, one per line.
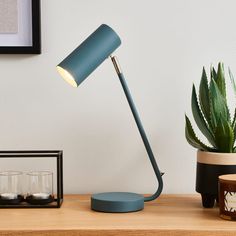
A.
pixel 41 195
pixel 9 196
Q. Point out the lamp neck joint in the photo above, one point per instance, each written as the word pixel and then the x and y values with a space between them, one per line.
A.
pixel 116 64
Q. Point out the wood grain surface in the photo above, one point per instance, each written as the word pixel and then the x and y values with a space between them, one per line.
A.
pixel 169 215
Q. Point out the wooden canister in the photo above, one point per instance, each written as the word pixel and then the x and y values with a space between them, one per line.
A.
pixel 227 196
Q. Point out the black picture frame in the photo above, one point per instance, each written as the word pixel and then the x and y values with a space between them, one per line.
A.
pixel 35 48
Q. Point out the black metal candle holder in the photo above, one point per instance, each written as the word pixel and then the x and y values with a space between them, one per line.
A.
pixel 28 202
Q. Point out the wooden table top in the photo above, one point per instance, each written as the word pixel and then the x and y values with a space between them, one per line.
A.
pixel 167 216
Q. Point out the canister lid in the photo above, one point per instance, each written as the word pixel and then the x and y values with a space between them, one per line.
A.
pixel 228 178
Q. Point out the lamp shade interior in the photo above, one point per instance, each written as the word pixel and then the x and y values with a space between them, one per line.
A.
pixel 77 66
pixel 67 76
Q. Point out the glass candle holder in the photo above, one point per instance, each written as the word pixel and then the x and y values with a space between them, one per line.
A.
pixel 227 196
pixel 11 187
pixel 40 187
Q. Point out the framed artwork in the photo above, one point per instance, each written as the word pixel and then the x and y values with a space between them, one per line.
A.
pixel 20 27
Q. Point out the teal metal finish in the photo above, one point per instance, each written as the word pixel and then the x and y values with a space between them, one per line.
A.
pixel 117 202
pixel 144 138
pixel 91 53
pixel 82 62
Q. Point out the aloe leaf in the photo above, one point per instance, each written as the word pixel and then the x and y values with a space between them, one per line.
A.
pixel 192 138
pixel 204 96
pixel 234 119
pixel 234 125
pixel 218 106
pixel 234 149
pixel 199 118
pixel 224 136
pixel 234 88
pixel 213 73
pixel 234 129
pixel 232 81
pixel 220 81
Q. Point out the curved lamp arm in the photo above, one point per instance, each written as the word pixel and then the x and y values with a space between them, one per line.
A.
pixel 141 131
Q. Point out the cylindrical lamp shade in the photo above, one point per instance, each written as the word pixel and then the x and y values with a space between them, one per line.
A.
pixel 89 55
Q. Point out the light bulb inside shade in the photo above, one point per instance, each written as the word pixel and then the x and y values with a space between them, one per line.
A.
pixel 67 76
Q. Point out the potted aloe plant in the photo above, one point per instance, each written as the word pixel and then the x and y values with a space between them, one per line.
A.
pixel 212 116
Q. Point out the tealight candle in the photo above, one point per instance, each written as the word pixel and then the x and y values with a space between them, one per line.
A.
pixel 41 195
pixel 9 196
pixel 39 198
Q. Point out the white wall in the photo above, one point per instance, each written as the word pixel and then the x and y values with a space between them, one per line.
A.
pixel 165 44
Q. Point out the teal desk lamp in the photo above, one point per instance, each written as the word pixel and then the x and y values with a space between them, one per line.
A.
pixel 75 68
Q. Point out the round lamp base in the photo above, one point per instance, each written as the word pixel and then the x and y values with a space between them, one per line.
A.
pixel 117 202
